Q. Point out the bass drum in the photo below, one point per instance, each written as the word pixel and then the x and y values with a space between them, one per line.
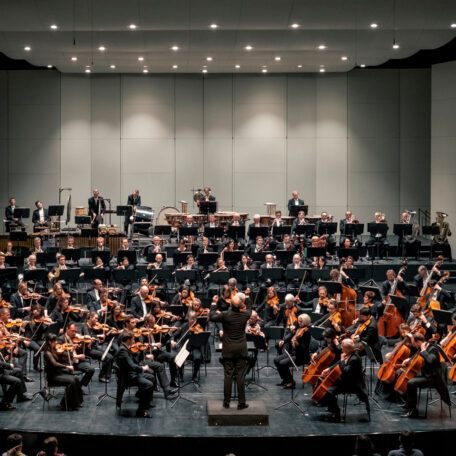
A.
pixel 161 217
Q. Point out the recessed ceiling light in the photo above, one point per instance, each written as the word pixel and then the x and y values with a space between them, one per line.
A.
pixel 374 25
pixel 294 25
pixel 264 70
pixel 204 71
pixel 87 70
pixel 74 59
pixel 146 66
pixel 175 67
pixel 113 67
pixel 277 58
pixel 87 66
pixel 145 70
pixel 54 27
pixel 322 47
pixel 344 57
pixel 27 48
pixel 248 47
pixel 101 48
pixel 132 26
pixel 213 26
pixel 175 48
pixel 209 59
pixel 453 25
pixel 362 65
pixel 396 46
pixel 49 66
pixel 237 66
pixel 141 59
pixel 299 66
pixel 322 70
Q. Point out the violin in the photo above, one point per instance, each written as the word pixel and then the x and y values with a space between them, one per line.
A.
pixel 76 309
pixel 5 304
pixel 299 333
pixel 82 339
pixel 163 314
pixel 63 348
pixel 163 329
pixel 197 329
pixel 291 315
pixel 33 296
pixel 44 320
pixel 139 346
pixel 11 323
pixel 203 312
pixel 138 332
pixel 6 343
pixel 274 303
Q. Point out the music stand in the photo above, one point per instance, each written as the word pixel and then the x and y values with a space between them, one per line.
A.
pixel 15 260
pixel 150 257
pixel 70 275
pixel 331 287
pixel 8 274
pixel 103 254
pixel 375 290
pixel 271 333
pixel 22 212
pixel 316 331
pixel 284 256
pixel 353 229
pixel 327 228
pixel 295 274
pixel 401 230
pixel 124 275
pixel 45 257
pixel 219 277
pixel 87 232
pixel 315 252
pixel 401 305
pixel 247 276
pixel 259 343
pixel 186 274
pixel 378 231
pixel 206 259
pixel 56 210
pixel 442 317
pixel 130 254
pixel 294 210
pixel 279 231
pixel 180 257
pixel 208 207
pixel 255 231
pixel 321 275
pixel 236 232
pixel 291 401
pixel 273 274
pixel 105 394
pixel 92 274
pixel 72 254
pixel 430 230
pixel 216 232
pixel 82 220
pixel 233 257
pixel 37 275
pixel 198 341
pixel 179 360
pixel 185 231
pixel 162 275
pixel 355 273
pixel 344 253
pixel 20 236
pixel 306 230
pixel 162 230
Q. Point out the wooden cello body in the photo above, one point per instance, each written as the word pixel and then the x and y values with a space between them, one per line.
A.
pixel 320 391
pixel 411 371
pixel 311 373
pixel 387 371
pixel 347 305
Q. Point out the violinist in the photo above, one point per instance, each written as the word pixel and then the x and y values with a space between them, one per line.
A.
pixel 419 322
pixel 184 297
pixel 62 314
pixel 364 330
pixel 297 342
pixel 20 305
pixel 196 307
pixel 96 349
pixel 77 356
pixel 56 294
pixel 269 307
pixel 350 381
pixel 133 374
pixel 232 283
pixel 332 319
pixel 140 304
pixel 35 330
pixel 224 300
pixel 253 326
pixel 117 318
pixel 432 374
pixel 102 306
pixel 320 304
pixel 94 294
pixel 288 312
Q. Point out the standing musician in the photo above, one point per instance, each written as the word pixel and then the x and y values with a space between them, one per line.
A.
pixel 432 374
pixel 207 195
pixel 350 381
pixel 440 241
pixel 419 322
pixel 385 290
pixel 78 357
pixel 135 375
pixel 234 349
pixel 40 217
pixel 97 207
pixel 133 200
pixel 332 319
pixel 294 201
pixel 296 342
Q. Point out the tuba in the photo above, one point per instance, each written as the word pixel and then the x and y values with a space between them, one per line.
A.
pixel 444 227
pixel 415 227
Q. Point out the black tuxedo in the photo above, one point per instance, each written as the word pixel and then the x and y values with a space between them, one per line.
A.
pixel 9 215
pixel 96 207
pixel 131 201
pixel 291 202
pixel 370 337
pixel 136 307
pixel 36 217
pixel 18 303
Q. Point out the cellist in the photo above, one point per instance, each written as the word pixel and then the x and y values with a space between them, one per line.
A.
pixel 419 322
pixel 431 375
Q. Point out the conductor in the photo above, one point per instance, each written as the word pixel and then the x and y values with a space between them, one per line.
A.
pixel 234 350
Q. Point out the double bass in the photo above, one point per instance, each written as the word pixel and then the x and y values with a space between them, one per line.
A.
pixel 425 288
pixel 347 301
pixel 389 322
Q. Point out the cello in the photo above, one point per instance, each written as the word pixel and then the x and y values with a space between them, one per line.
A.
pixel 320 391
pixel 387 371
pixel 389 322
pixel 346 301
pixel 324 359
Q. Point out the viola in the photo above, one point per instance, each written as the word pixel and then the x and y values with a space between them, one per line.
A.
pixel 311 373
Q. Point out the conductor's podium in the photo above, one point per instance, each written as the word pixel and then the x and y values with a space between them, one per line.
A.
pixel 254 415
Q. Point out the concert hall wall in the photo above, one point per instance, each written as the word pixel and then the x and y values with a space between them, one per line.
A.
pixel 359 139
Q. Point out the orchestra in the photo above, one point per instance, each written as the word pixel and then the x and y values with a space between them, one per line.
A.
pixel 141 325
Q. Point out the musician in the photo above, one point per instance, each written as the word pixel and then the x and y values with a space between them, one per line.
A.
pixel 135 375
pixel 11 220
pixel 97 347
pixel 351 380
pixel 40 217
pixel 60 266
pixel 37 246
pixel 3 264
pixel 440 241
pixel 79 360
pixel 94 294
pixel 190 264
pixel 234 349
pixel 211 222
pixel 158 264
pixel 345 221
pixel 378 238
pixel 101 245
pixel 409 242
pixel 433 374
pixel 189 223
pixel 244 264
pixel 97 207
pixel 52 300
pixel 61 316
pixel 418 321
pixel 133 200
pixel 440 295
pixel 255 224
pixel 35 331
pixel 294 201
pixel 125 265
pixel 423 275
pixel 229 247
pixel 286 244
pixel 257 247
pixel 70 242
pixel 277 221
pixel 451 332
pixel 332 319
pixel 20 306
pixel 296 262
pixel 236 220
pixel 299 220
pixel 269 262
pixel 205 247
pixel 138 306
pixel 297 341
pixel 365 330
pixel 330 339
pixel 320 304
pixel 385 289
pixel 288 312
pixel 330 239
pixel 181 248
pixel 60 371
pixel 117 318
pixel 269 307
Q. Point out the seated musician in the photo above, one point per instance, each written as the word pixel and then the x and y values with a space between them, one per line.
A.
pixel 125 265
pixel 451 335
pixel 135 375
pixel 277 221
pixel 117 317
pixel 140 304
pixel 255 224
pixel 211 223
pixel 254 333
pixel 56 294
pixel 332 319
pixel 3 263
pixel 319 263
pixel 205 247
pixel 423 275
pixel 219 266
pixel 35 330
pixel 319 304
pixel 60 371
pixel 330 339
pixel 224 300
pixel 37 246
pixel 100 247
pixel 368 301
pixel 190 264
pixel 257 247
pixel 385 289
pixel 288 312
pixel 62 315
pixel 269 262
pixel 286 244
pixel 296 262
pixel 418 321
pixel 294 201
pixel 78 357
pixel 245 263
pixel 229 247
pixel 432 374
pixel 350 381
pixel 60 266
pixel 9 249
pixel 299 220
pixel 378 238
pixel 98 264
pixel 330 240
pixel 269 308
pixel 347 244
pixel 296 342
pixel 158 264
pixel 409 242
pixel 349 219
pixel 189 223
pixel 438 296
pixel 70 243
pixel 236 220
pixel 364 330
pixel 232 283
pixel 98 346
pixel 181 248
pixel 40 217
pixel 183 297
pixel 11 218
pixel 20 305
pixel 440 241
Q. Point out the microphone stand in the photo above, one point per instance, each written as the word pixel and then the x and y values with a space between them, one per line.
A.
pixel 105 394
pixel 291 401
